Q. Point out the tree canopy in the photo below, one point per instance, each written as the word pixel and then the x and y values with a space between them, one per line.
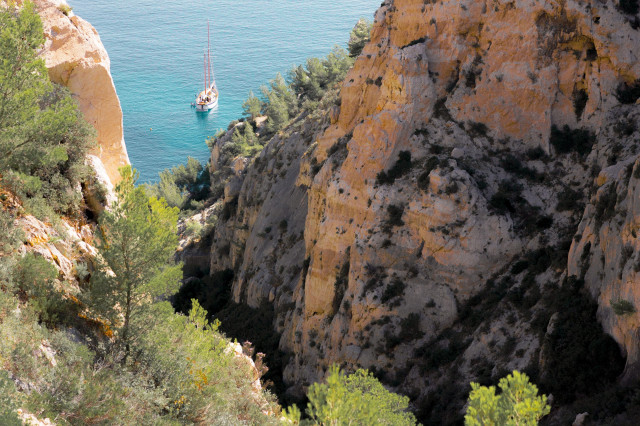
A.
pixel 251 107
pixel 184 186
pixel 359 36
pixel 518 404
pixel 137 241
pixel 43 138
pixel 358 398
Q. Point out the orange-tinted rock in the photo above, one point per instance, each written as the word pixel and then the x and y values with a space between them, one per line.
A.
pixel 76 58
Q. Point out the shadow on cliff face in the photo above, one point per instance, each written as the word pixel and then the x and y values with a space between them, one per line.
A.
pixel 255 325
pixel 238 321
pixel 212 291
pixel 577 362
pixel 577 357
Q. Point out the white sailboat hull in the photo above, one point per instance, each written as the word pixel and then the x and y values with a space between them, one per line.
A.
pixel 207 106
pixel 207 99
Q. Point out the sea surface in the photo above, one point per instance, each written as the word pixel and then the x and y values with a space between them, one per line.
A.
pixel 156 50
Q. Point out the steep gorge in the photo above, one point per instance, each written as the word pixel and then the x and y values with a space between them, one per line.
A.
pixel 445 268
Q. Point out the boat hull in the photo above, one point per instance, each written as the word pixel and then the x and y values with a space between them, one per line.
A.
pixel 207 99
pixel 206 107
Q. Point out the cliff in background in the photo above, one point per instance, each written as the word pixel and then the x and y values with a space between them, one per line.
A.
pixel 431 226
pixel 76 58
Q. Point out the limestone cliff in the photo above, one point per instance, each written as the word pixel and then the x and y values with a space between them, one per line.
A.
pixel 76 58
pixel 422 228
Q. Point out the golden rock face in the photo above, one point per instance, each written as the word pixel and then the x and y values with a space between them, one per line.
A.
pixel 463 82
pixel 76 58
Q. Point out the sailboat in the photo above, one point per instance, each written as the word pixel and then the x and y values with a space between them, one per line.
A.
pixel 208 98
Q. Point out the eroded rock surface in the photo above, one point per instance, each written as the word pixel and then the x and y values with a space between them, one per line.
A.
pixel 76 58
pixel 423 227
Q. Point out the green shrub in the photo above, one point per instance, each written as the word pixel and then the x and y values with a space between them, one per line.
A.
pixel 359 36
pixel 8 399
pixel 193 228
pixel 622 307
pixel 358 398
pixel 244 142
pixel 311 82
pixel 43 137
pixel 33 276
pixel 65 8
pixel 251 107
pixel 393 290
pixel 394 217
pixel 518 404
pixel 184 186
pixel 201 379
pixel 280 104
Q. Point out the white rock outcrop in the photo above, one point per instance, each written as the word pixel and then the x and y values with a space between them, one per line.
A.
pixel 76 58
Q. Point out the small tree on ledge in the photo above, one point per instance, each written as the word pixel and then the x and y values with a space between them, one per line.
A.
pixel 137 241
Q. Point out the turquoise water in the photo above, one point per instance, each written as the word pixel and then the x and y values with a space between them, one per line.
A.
pixel 156 51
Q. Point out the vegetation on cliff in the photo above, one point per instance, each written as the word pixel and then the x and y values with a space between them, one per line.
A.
pixel 43 139
pixel 101 346
pixel 137 363
pixel 432 214
pixel 114 351
pixel 359 36
pixel 136 244
pixel 517 404
pixel 358 398
pixel 185 186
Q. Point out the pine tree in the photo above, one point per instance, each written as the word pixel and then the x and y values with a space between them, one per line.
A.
pixel 23 75
pixel 358 398
pixel 281 106
pixel 251 107
pixel 359 36
pixel 138 239
pixel 43 138
pixel 518 404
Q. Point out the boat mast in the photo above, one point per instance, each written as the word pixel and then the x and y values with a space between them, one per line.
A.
pixel 209 52
pixel 204 64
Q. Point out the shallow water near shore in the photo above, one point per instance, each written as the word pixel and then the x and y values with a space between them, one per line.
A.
pixel 156 51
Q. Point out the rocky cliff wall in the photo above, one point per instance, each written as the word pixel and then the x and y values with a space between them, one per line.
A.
pixel 76 58
pixel 462 105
